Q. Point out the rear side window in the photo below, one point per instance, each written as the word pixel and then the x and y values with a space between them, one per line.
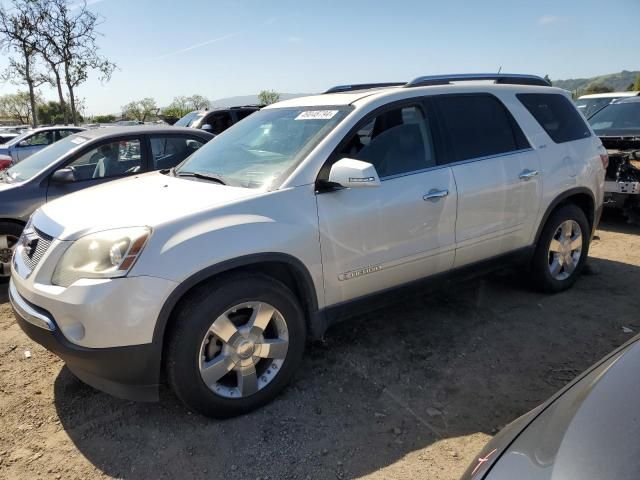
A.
pixel 557 115
pixel 478 126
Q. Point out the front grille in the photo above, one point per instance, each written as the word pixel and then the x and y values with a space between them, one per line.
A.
pixel 34 245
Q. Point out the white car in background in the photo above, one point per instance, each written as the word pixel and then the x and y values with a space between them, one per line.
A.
pixel 217 271
pixel 590 104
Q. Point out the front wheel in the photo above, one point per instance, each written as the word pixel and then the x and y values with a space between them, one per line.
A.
pixel 562 249
pixel 235 345
pixel 9 235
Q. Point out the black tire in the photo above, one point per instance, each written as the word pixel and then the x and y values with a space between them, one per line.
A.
pixel 192 322
pixel 14 230
pixel 541 275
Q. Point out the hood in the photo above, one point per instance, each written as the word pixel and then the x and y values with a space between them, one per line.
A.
pixel 590 432
pixel 145 200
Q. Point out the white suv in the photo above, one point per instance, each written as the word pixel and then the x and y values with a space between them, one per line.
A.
pixel 214 273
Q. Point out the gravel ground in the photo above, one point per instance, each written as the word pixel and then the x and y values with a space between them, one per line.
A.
pixel 412 391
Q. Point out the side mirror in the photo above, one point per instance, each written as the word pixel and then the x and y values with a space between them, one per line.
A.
pixel 207 128
pixel 64 175
pixel 352 173
pixel 23 143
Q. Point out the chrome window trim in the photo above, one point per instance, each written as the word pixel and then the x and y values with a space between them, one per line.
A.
pixel 453 164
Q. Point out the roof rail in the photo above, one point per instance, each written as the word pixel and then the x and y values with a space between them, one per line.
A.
pixel 362 86
pixel 502 78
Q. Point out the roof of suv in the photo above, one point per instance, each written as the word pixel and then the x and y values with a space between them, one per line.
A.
pixel 106 132
pixel 349 98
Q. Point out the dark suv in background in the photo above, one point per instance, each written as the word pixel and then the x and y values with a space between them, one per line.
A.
pixel 217 120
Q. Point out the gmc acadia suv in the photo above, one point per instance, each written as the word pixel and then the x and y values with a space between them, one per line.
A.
pixel 216 272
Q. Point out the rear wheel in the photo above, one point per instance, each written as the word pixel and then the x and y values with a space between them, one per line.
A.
pixel 9 235
pixel 562 249
pixel 235 345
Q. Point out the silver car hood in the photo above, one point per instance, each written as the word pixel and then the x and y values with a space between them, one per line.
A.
pixel 591 431
pixel 151 199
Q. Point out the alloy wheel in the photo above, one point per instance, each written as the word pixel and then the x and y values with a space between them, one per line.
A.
pixel 243 350
pixel 7 246
pixel 565 250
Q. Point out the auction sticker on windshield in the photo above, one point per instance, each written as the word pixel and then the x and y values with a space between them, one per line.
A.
pixel 79 140
pixel 317 115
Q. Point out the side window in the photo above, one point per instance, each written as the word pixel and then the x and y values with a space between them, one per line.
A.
pixel 240 114
pixel 396 141
pixel 113 159
pixel 557 115
pixel 478 126
pixel 65 133
pixel 219 121
pixel 39 139
pixel 168 152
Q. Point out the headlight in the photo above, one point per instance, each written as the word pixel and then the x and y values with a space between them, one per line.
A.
pixel 107 254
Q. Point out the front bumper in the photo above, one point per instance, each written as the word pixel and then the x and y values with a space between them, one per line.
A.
pixel 131 372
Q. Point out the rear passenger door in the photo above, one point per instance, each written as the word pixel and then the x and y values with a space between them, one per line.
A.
pixel 167 151
pixel 496 174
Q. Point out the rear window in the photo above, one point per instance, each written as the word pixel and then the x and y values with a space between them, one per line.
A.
pixel 557 115
pixel 478 126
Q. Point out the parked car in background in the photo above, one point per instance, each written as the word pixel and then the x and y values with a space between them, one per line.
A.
pixel 30 141
pixel 84 160
pixel 217 271
pixel 6 136
pixel 618 126
pixel 590 104
pixel 589 430
pixel 216 120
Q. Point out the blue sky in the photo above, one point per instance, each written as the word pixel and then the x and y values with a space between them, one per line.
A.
pixel 222 48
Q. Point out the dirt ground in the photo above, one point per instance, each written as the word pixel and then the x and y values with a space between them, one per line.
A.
pixel 412 391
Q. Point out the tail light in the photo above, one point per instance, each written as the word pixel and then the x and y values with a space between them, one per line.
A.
pixel 5 163
pixel 604 156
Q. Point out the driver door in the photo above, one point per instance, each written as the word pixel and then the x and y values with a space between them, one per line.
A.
pixel 103 163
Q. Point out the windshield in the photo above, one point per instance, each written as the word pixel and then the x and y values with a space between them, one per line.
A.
pixel 30 166
pixel 189 119
pixel 264 146
pixel 617 119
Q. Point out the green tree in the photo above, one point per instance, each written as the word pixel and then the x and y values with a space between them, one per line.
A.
pixel 140 110
pixel 177 109
pixel 597 88
pixel 17 107
pixel 636 83
pixel 198 102
pixel 104 118
pixel 267 97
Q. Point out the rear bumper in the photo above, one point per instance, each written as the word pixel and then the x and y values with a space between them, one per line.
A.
pixel 130 372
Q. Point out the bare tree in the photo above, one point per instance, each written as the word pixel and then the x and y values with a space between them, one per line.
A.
pixel 18 34
pixel 68 45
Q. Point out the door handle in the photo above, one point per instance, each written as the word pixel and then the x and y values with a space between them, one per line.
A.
pixel 528 174
pixel 435 195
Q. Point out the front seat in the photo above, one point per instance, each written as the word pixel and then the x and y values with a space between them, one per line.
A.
pixel 107 166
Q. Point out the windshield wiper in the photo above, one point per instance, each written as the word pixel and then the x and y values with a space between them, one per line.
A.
pixel 204 176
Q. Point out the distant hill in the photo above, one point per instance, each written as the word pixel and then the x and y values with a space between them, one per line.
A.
pixel 250 99
pixel 618 81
